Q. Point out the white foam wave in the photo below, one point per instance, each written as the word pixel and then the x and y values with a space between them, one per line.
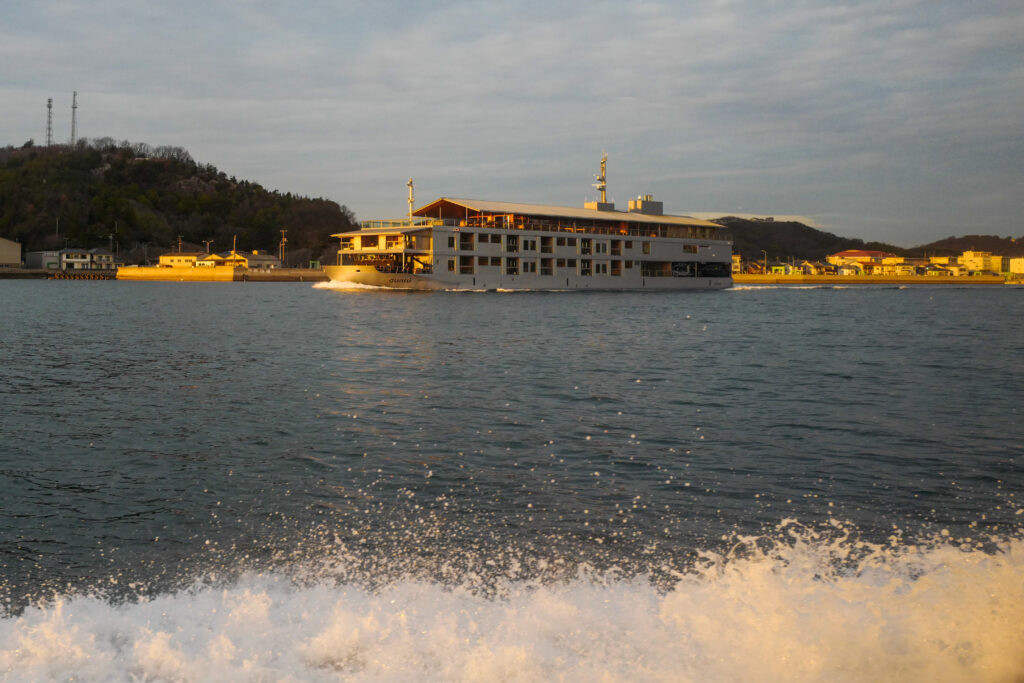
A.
pixel 335 285
pixel 789 614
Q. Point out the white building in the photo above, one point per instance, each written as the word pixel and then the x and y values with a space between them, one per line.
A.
pixel 10 253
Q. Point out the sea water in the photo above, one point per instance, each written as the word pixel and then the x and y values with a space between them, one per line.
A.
pixel 290 482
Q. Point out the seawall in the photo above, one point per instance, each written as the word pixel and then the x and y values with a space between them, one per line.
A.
pixel 220 274
pixel 864 280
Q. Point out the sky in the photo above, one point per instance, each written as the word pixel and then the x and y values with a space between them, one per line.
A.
pixel 900 121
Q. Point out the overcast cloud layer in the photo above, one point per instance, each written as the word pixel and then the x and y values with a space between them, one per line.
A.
pixel 899 121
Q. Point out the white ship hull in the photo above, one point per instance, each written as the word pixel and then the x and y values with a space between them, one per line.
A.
pixel 368 276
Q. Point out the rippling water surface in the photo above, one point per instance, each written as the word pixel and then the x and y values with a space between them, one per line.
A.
pixel 286 482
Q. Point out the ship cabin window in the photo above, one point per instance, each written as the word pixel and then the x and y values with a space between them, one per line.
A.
pixel 451 265
pixel 585 266
pixel 570 241
pixel 347 243
pixel 451 241
pixel 616 268
pixel 629 244
pixel 529 245
pixel 616 247
pixel 529 266
pixel 689 248
pixel 545 245
pixel 559 241
pixel 512 266
pixel 512 243
pixel 600 247
pixel 368 241
pixel 601 268
pixel 466 265
pixel 392 241
pixel 586 245
pixel 484 261
pixel 646 247
pixel 545 266
pixel 496 261
pixel 466 241
pixel 627 264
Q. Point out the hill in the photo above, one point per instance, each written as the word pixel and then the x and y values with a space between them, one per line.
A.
pixel 139 199
pixel 786 239
pixel 1003 246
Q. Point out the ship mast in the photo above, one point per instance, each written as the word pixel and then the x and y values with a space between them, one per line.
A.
pixel 411 200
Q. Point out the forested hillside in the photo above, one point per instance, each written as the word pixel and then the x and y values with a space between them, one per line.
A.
pixel 140 199
pixel 787 239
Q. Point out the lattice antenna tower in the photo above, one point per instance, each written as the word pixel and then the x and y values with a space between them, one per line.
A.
pixel 74 117
pixel 49 121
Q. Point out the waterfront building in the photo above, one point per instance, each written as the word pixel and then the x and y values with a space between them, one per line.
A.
pixel 181 259
pixel 10 253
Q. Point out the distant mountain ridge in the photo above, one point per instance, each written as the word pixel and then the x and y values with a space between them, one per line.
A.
pixel 791 239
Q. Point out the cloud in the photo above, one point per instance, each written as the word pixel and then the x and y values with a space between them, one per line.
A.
pixel 904 110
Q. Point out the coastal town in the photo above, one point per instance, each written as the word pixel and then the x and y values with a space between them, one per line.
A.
pixel 853 265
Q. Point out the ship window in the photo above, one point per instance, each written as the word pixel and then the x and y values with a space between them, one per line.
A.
pixel 529 245
pixel 545 266
pixel 559 241
pixel 616 247
pixel 560 262
pixel 512 243
pixel 689 248
pixel 570 262
pixel 451 265
pixel 368 241
pixel 616 268
pixel 512 266
pixel 466 241
pixel 346 243
pixel 484 261
pixel 529 266
pixel 496 261
pixel 570 241
pixel 545 245
pixel 627 264
pixel 451 241
pixel 585 245
pixel 585 268
pixel 466 265
pixel 646 247
pixel 392 241
pixel 600 247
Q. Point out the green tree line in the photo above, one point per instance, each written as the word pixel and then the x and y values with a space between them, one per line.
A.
pixel 140 199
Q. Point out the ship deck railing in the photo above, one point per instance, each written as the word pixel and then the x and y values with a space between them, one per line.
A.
pixel 515 222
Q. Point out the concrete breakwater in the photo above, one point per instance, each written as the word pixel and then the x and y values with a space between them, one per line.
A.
pixel 864 280
pixel 220 274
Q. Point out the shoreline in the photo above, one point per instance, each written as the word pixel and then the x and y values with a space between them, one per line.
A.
pixel 744 279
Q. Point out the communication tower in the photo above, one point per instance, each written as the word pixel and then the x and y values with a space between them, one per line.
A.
pixel 602 180
pixel 74 117
pixel 49 121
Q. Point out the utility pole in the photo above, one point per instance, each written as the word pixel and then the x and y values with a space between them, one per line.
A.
pixel 179 244
pixel 284 241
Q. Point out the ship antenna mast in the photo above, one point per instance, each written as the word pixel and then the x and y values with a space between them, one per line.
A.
pixel 412 199
pixel 602 180
pixel 74 117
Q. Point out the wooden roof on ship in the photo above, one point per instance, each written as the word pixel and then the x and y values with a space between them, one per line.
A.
pixel 450 207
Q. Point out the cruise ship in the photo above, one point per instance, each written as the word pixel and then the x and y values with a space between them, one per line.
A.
pixel 459 244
